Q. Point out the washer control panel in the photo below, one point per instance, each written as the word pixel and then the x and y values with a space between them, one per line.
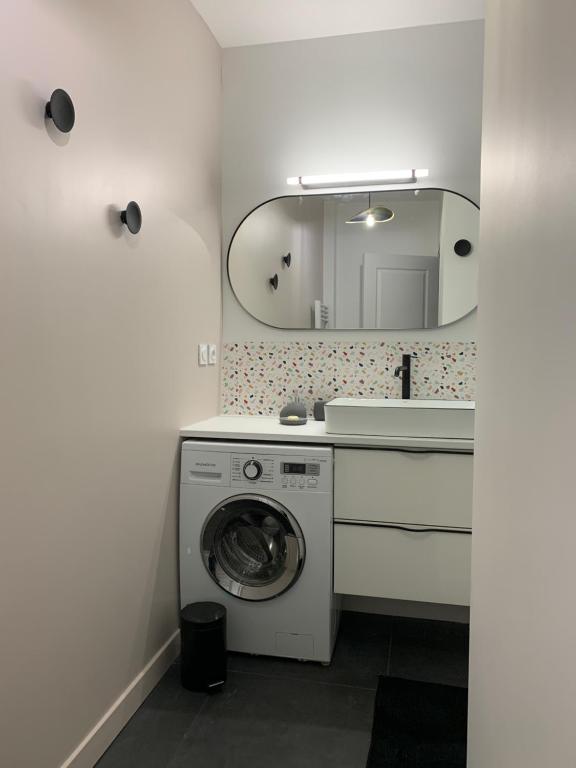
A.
pixel 293 474
pixel 299 475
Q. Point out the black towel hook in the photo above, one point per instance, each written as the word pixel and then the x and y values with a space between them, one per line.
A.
pixel 132 217
pixel 60 109
pixel 463 247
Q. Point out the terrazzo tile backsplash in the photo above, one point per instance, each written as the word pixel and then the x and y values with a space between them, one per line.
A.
pixel 259 378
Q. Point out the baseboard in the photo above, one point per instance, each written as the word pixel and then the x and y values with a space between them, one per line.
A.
pixel 93 746
pixel 458 613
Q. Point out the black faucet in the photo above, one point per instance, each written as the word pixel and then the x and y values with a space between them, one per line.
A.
pixel 403 372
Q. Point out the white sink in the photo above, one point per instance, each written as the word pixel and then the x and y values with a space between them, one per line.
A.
pixel 401 418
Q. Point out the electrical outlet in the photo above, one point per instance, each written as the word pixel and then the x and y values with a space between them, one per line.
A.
pixel 212 351
pixel 202 354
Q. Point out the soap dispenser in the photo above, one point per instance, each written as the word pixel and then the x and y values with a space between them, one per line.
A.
pixel 294 414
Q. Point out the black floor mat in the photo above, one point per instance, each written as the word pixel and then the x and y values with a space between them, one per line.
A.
pixel 418 725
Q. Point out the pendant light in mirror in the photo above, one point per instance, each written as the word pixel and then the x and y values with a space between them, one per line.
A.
pixel 377 214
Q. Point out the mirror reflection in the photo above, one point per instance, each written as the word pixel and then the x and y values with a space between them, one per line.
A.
pixel 390 259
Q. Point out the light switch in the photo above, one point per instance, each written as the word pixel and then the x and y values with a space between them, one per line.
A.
pixel 202 354
pixel 212 350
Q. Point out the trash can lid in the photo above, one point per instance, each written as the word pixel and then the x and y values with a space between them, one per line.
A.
pixel 205 615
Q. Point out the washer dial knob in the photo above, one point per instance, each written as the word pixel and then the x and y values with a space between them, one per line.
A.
pixel 252 469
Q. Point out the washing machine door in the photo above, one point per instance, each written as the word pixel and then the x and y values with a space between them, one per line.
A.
pixel 253 547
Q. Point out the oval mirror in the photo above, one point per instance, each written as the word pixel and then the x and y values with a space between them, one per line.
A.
pixel 390 259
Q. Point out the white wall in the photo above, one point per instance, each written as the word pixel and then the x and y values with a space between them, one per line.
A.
pixel 522 677
pixel 394 99
pixel 97 346
pixel 458 274
pixel 414 230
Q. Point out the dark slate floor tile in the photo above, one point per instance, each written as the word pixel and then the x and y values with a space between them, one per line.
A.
pixel 287 713
pixel 151 738
pixel 360 656
pixel 431 651
pixel 259 721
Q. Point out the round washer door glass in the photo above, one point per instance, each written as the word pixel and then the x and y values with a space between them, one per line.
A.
pixel 253 547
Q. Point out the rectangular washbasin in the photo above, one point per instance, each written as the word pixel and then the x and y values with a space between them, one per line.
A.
pixel 400 418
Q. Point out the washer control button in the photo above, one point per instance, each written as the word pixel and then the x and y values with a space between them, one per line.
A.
pixel 252 469
pixel 312 482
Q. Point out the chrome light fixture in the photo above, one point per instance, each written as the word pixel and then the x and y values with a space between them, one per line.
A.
pixel 407 176
pixel 372 215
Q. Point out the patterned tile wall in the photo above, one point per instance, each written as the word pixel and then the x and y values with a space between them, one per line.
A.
pixel 259 378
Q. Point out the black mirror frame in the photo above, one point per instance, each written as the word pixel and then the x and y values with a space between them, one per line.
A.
pixel 323 194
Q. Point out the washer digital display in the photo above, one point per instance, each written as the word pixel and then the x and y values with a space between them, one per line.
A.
pixel 300 469
pixel 293 469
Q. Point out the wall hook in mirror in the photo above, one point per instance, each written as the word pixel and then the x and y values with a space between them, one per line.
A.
pixel 61 110
pixel 287 259
pixel 132 217
pixel 463 247
pixel 274 282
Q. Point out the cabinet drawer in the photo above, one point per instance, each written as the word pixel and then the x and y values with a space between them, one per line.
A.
pixel 430 567
pixel 414 487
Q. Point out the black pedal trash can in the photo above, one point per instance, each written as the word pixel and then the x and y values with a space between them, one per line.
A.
pixel 203 637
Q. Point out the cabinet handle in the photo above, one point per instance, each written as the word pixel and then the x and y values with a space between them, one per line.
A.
pixel 407 528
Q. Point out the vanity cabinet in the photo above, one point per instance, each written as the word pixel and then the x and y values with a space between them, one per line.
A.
pixel 402 524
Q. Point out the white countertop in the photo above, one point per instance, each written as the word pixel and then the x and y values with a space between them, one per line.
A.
pixel 268 429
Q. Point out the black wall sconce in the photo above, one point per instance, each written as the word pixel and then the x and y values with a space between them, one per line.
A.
pixel 463 247
pixel 61 110
pixel 274 282
pixel 132 217
pixel 287 259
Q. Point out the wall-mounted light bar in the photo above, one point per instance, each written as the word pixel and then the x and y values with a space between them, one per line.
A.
pixel 358 179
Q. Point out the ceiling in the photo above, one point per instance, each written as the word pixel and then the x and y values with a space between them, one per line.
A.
pixel 251 22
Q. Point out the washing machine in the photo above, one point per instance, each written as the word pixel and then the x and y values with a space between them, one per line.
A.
pixel 256 535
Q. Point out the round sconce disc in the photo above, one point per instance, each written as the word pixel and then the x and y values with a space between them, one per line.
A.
pixel 132 217
pixel 61 110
